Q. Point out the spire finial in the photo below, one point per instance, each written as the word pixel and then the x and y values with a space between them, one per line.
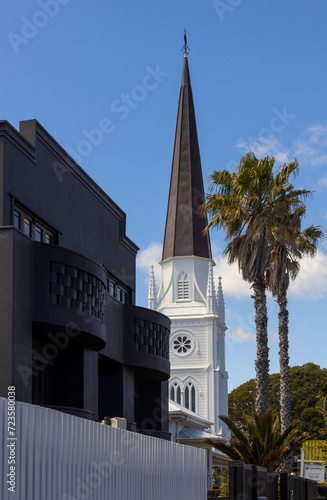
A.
pixel 185 48
pixel 152 295
pixel 221 302
pixel 211 293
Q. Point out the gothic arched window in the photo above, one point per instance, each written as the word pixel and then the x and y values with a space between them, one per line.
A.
pixel 175 393
pixel 183 289
pixel 189 396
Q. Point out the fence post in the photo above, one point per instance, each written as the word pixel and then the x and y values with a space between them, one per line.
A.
pixel 297 488
pixel 241 483
pixel 311 489
pixel 259 481
pixel 286 487
pixel 272 486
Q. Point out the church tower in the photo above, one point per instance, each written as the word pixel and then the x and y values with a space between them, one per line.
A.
pixel 187 292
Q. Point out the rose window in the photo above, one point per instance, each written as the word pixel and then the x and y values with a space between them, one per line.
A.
pixel 182 344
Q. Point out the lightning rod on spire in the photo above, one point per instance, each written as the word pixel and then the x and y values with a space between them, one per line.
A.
pixel 185 48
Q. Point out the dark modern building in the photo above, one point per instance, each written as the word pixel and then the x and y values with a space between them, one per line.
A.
pixel 71 336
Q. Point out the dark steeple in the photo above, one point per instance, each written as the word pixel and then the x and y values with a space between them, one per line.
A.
pixel 184 226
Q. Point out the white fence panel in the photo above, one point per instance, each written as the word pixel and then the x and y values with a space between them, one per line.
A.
pixel 62 457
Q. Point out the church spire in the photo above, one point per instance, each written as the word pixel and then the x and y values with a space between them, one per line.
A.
pixel 184 226
pixel 152 295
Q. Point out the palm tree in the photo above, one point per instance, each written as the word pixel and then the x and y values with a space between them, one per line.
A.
pixel 261 442
pixel 288 247
pixel 248 205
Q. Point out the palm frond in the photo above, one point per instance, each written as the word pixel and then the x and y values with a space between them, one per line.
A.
pixel 260 441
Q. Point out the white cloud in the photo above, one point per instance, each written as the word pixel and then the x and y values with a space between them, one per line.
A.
pixel 323 182
pixel 273 337
pixel 241 335
pixel 150 256
pixel 311 283
pixel 311 147
pixel 232 281
pixel 262 147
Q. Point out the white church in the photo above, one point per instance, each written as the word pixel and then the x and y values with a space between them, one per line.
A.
pixel 198 390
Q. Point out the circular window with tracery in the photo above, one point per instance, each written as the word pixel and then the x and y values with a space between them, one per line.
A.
pixel 182 344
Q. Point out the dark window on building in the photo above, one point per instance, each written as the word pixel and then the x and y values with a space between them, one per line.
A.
pixel 16 219
pixel 33 227
pixel 175 393
pixel 48 238
pixel 178 395
pixel 117 290
pixel 193 398
pixel 27 227
pixel 187 398
pixel 172 394
pixel 189 395
pixel 38 233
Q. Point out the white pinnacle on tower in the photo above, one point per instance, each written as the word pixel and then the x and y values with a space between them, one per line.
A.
pixel 211 293
pixel 152 294
pixel 221 302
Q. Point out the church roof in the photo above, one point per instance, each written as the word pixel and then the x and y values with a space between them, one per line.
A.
pixel 184 226
pixel 177 410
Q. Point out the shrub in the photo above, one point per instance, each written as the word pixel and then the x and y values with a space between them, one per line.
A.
pixel 214 493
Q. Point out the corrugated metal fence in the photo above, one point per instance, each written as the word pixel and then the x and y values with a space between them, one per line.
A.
pixel 315 449
pixel 62 457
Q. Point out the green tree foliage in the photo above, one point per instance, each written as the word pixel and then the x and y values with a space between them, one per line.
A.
pixel 308 388
pixel 320 406
pixel 260 440
pixel 312 421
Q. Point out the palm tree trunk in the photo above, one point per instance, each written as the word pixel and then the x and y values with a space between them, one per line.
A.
pixel 285 390
pixel 262 361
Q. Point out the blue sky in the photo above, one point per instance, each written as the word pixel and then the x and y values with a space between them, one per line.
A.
pixel 259 80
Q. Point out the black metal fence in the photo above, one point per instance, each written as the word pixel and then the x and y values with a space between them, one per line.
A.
pixel 250 482
pixel 297 488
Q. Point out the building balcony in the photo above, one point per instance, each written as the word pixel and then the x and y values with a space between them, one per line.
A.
pixel 69 293
pixel 147 340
